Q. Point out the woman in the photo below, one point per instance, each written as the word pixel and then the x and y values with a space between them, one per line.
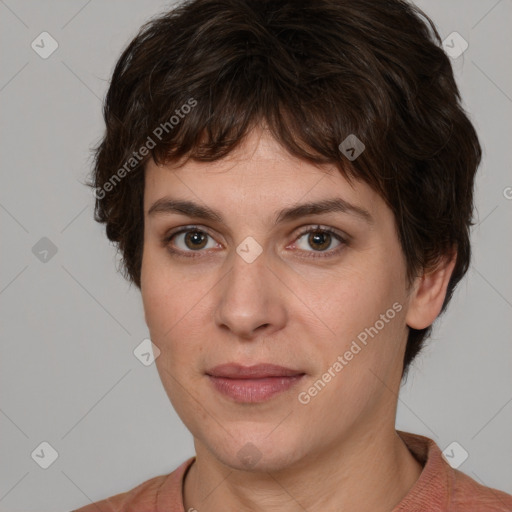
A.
pixel 290 184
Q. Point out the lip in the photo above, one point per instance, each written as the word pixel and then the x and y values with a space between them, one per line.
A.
pixel 253 384
pixel 257 371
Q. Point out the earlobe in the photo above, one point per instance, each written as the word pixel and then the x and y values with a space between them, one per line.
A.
pixel 429 292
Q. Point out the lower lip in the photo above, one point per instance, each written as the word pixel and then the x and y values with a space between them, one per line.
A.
pixel 253 390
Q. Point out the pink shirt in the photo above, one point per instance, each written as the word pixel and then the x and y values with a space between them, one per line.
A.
pixel 440 488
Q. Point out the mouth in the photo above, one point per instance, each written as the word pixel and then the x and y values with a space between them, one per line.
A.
pixel 253 384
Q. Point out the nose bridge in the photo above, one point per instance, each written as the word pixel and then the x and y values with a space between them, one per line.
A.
pixel 250 296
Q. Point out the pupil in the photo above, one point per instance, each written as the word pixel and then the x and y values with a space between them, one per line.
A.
pixel 319 239
pixel 196 238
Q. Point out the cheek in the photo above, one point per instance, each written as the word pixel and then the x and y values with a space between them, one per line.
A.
pixel 362 312
pixel 174 306
pixel 169 317
pixel 157 301
pixel 167 294
pixel 359 364
pixel 352 299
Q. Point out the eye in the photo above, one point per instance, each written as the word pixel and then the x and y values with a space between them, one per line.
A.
pixel 320 239
pixel 189 239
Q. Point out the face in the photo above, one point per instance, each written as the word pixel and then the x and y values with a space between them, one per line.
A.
pixel 319 291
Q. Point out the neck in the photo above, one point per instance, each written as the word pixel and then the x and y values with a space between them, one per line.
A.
pixel 369 471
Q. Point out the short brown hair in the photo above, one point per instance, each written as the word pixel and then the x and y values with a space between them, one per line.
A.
pixel 314 71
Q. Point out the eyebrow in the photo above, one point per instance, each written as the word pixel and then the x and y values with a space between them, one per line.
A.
pixel 191 209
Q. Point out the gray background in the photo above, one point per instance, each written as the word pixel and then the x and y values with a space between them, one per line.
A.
pixel 68 375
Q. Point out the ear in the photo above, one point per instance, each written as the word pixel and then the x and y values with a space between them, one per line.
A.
pixel 429 292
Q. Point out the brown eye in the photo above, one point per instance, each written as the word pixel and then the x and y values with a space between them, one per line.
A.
pixel 321 240
pixel 195 239
pixel 189 240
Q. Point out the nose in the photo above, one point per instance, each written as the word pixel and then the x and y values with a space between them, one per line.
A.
pixel 250 301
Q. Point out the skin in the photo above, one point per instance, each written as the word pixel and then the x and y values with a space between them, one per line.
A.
pixel 340 451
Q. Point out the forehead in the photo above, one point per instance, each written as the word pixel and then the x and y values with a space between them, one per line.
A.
pixel 258 177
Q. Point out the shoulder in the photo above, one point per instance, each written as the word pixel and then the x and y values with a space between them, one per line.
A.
pixel 442 488
pixel 156 494
pixel 141 498
pixel 468 492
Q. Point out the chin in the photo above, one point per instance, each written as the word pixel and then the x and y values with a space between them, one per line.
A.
pixel 260 452
pixel 252 459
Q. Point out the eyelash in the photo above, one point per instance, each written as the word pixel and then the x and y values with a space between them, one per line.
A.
pixel 313 254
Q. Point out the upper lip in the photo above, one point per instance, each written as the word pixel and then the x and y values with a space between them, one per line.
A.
pixel 258 371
